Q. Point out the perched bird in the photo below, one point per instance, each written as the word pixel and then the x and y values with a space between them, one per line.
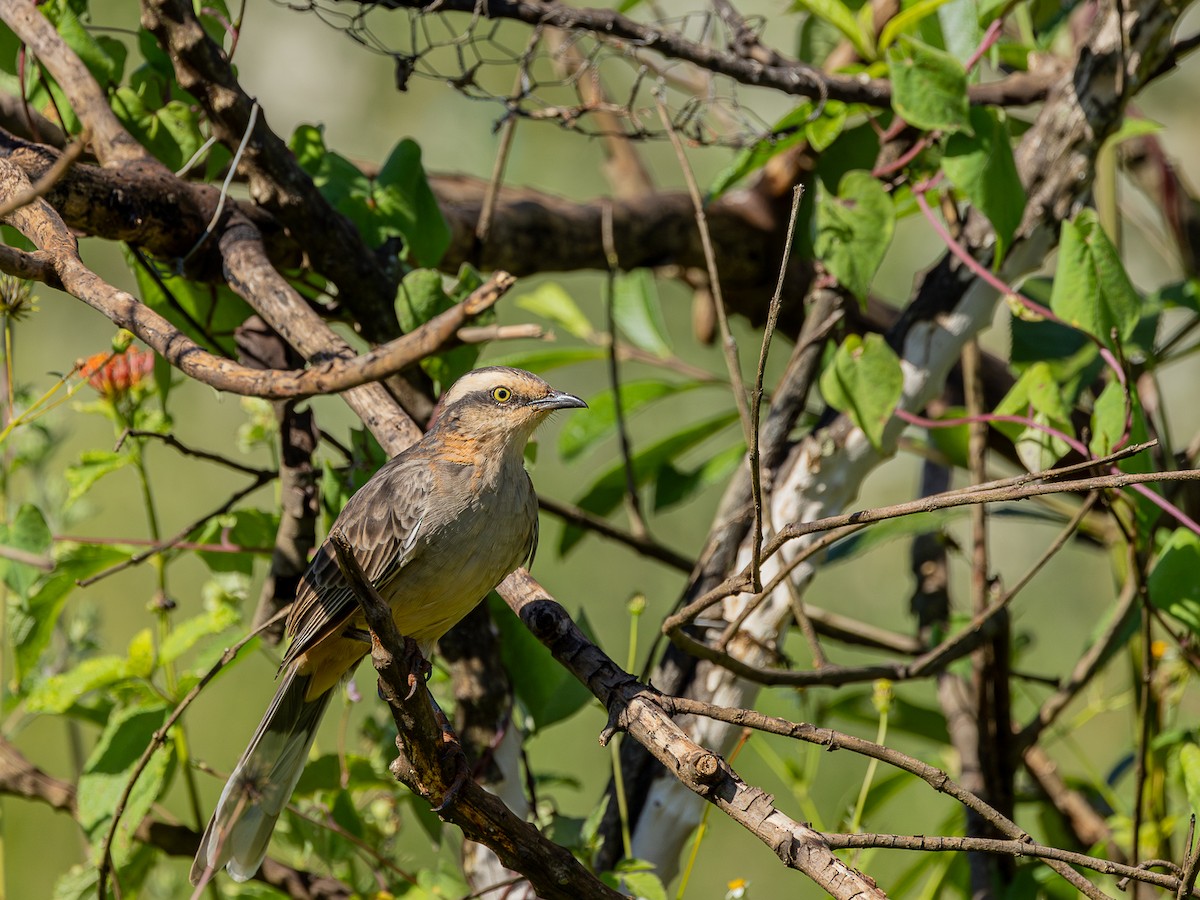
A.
pixel 434 530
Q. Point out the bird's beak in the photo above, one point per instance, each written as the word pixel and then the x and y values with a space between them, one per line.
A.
pixel 558 400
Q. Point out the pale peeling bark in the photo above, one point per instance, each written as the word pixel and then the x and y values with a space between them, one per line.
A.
pixel 825 472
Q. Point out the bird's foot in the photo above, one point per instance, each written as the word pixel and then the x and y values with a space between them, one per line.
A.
pixel 418 666
pixel 452 756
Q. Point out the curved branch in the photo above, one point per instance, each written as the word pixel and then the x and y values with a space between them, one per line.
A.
pixel 39 222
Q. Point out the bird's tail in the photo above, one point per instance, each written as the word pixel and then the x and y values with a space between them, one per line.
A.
pixel 261 784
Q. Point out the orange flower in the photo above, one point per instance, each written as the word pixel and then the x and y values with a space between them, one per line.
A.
pixel 114 375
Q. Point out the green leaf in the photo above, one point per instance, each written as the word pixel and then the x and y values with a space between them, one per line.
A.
pixel 638 312
pixel 864 381
pixel 961 31
pixel 92 466
pixel 141 654
pixel 96 56
pixel 1091 288
pixel 185 635
pixel 636 878
pixel 583 430
pixel 170 131
pixel 547 691
pixel 207 313
pixel 109 769
pixel 606 492
pixel 983 167
pixel 929 86
pixel 1189 767
pixel 854 230
pixel 827 127
pixel 32 622
pixel 253 530
pixel 840 17
pixel 340 182
pixel 674 486
pixel 1108 419
pixel 56 694
pixel 27 531
pixel 1173 584
pixel 421 297
pixel 1041 397
pixel 907 18
pixel 551 301
pixel 407 207
pixel 786 132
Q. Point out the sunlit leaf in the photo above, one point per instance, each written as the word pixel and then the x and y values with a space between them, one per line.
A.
pixel 854 230
pixel 1091 288
pixel 638 312
pixel 864 381
pixel 550 300
pixel 92 466
pixel 28 532
pixel 905 19
pixel 32 621
pixel 1173 584
pixel 982 166
pixel 1040 397
pixel 186 634
pixel 56 694
pixel 108 770
pixel 840 17
pixel 1189 767
pixel 929 86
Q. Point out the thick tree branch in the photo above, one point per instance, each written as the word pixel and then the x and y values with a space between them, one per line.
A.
pixel 437 771
pixel 277 182
pixel 38 221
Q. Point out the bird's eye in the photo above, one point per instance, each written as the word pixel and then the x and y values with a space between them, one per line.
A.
pixel 501 394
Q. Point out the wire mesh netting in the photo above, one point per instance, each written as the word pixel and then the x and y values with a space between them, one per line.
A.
pixel 591 83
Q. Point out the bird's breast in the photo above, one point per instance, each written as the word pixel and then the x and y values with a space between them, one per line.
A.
pixel 476 530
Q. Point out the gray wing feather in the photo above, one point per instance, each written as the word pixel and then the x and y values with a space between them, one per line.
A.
pixel 382 522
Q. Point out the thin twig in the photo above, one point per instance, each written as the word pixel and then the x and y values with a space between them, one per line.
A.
pixel 179 536
pixel 646 546
pixel 835 740
pixel 1018 487
pixel 757 397
pixel 26 558
pixel 728 345
pixel 233 165
pixel 171 441
pixel 1016 848
pixel 637 522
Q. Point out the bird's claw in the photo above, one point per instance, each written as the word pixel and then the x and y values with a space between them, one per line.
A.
pixel 462 771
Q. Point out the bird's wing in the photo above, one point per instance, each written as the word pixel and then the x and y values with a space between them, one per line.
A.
pixel 382 523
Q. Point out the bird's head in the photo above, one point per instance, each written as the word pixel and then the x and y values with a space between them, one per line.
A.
pixel 497 406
